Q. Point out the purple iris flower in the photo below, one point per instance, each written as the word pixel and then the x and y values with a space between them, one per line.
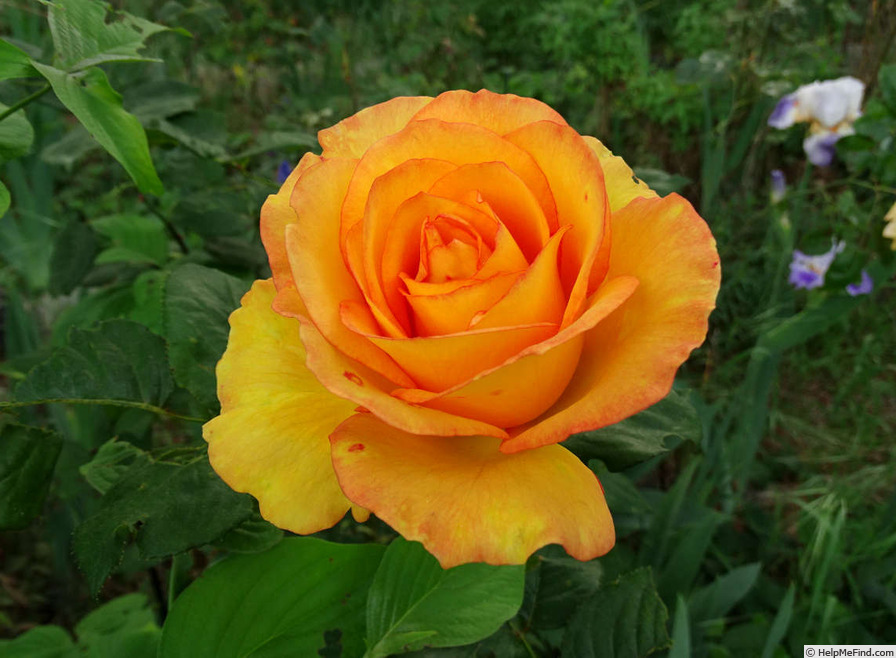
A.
pixel 283 171
pixel 808 271
pixel 863 287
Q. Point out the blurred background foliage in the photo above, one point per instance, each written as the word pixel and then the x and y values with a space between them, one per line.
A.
pixel 766 509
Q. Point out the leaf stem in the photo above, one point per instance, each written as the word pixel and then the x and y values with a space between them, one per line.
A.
pixel 23 102
pixel 112 403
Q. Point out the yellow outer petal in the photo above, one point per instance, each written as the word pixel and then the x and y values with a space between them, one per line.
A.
pixel 465 500
pixel 619 177
pixel 630 359
pixel 271 437
pixel 352 136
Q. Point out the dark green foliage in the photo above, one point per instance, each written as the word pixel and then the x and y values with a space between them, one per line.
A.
pixel 167 504
pixel 120 361
pixel 27 458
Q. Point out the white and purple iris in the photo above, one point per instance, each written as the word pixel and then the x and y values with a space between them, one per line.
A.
pixel 808 271
pixel 830 107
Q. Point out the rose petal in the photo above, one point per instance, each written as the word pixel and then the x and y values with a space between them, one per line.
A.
pixel 276 214
pixel 318 268
pixel 351 137
pixel 364 245
pixel 459 144
pixel 271 437
pixel 508 196
pixel 630 359
pixel 465 500
pixel 452 311
pixel 401 253
pixel 577 182
pixel 437 363
pixel 528 383
pixel 354 381
pixel 622 184
pixel 500 113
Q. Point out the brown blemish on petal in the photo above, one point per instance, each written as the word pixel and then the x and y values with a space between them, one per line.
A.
pixel 357 447
pixel 353 378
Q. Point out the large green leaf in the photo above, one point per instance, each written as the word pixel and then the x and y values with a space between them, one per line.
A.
pixel 16 135
pixel 91 98
pixel 41 642
pixel 562 583
pixel 277 603
pixel 118 362
pixel 14 62
pixel 27 459
pixel 414 603
pixel 166 505
pixel 124 626
pixel 82 38
pixel 198 301
pixel 625 619
pixel 640 437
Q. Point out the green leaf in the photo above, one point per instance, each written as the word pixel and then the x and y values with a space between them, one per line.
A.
pixel 27 459
pixel 681 631
pixel 625 619
pixel 124 626
pixel 279 141
pixel 414 603
pixel 167 506
pixel 135 238
pixel 780 624
pixel 119 361
pixel 90 97
pixel 112 460
pixel 16 135
pixel 198 301
pixel 73 252
pixel 563 584
pixel 716 599
pixel 277 603
pixel 5 199
pixel 251 536
pixel 161 99
pixel 640 437
pixel 69 148
pixel 212 213
pixel 14 62
pixel 82 38
pixel 41 642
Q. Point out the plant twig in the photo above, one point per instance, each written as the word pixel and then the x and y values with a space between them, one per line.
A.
pixel 12 109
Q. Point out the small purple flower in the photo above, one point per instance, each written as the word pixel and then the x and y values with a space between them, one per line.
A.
pixel 779 185
pixel 863 287
pixel 283 171
pixel 808 271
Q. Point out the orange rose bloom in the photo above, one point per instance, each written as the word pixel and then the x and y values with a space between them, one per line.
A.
pixel 459 284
